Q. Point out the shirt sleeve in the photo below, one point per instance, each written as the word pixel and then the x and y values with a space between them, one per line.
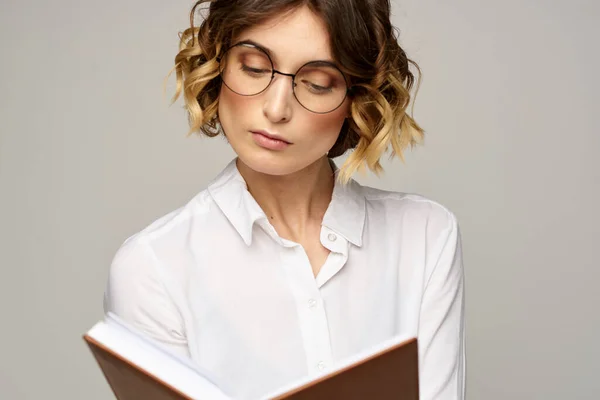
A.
pixel 441 336
pixel 136 293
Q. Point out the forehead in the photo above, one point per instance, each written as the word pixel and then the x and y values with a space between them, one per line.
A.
pixel 292 39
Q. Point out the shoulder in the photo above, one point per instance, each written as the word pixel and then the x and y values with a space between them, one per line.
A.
pixel 137 279
pixel 418 225
pixel 139 249
pixel 412 206
pixel 409 219
pixel 175 221
pixel 139 289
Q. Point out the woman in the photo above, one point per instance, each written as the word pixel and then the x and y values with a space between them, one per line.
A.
pixel 284 265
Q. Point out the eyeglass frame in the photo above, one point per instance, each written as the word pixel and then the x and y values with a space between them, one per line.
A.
pixel 293 76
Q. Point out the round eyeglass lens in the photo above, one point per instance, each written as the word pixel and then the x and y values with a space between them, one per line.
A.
pixel 246 70
pixel 320 87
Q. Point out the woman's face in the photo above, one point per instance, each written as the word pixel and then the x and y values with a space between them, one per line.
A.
pixel 299 38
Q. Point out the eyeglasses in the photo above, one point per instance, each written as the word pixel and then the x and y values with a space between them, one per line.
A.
pixel 319 86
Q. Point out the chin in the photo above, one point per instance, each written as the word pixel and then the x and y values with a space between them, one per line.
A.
pixel 269 164
pixel 273 163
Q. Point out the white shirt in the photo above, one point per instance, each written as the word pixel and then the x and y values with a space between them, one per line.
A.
pixel 212 280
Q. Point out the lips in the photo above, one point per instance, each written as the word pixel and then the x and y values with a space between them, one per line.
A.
pixel 271 136
pixel 270 141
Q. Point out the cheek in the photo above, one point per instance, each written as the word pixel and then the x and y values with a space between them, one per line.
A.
pixel 237 113
pixel 229 109
pixel 328 125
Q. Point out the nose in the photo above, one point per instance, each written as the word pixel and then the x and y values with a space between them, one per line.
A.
pixel 279 97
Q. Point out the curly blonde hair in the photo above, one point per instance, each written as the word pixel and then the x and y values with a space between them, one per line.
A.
pixel 379 74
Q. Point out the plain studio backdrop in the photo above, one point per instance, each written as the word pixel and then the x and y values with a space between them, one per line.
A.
pixel 90 153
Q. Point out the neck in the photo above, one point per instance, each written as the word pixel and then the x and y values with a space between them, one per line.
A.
pixel 295 200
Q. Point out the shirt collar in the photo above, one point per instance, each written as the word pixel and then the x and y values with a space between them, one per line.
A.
pixel 345 214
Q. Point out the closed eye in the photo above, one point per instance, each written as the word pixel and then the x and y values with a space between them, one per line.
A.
pixel 317 88
pixel 251 70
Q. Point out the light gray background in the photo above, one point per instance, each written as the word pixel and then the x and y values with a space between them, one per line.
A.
pixel 90 153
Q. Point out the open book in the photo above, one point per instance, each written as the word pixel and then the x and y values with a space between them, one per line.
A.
pixel 137 367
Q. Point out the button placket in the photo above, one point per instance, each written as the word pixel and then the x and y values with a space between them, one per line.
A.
pixel 312 318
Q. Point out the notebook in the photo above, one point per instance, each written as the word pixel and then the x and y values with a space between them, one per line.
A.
pixel 137 367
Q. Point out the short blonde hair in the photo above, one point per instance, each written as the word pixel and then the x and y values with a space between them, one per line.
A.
pixel 379 73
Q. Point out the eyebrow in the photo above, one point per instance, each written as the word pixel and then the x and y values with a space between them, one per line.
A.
pixel 274 57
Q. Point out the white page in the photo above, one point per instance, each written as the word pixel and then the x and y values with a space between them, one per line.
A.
pixel 152 357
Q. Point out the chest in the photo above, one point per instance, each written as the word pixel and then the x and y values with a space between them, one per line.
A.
pixel 258 318
pixel 316 253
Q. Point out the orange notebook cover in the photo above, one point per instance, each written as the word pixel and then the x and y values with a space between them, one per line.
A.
pixel 136 368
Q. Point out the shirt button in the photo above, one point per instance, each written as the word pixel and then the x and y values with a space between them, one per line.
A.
pixel 321 365
pixel 312 303
pixel 332 237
